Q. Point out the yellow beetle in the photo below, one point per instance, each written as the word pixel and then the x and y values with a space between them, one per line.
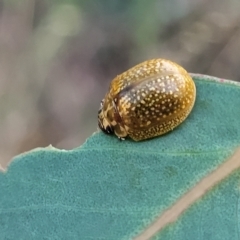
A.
pixel 147 100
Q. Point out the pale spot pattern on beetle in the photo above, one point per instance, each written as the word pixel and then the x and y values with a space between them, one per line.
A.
pixel 151 99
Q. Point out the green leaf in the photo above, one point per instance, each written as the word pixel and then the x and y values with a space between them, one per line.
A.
pixel 111 189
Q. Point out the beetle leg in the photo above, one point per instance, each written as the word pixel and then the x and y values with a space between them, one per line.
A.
pixel 121 138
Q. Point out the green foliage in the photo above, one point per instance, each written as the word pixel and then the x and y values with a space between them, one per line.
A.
pixel 111 189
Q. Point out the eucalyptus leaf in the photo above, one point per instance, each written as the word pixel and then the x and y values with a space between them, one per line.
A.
pixel 111 189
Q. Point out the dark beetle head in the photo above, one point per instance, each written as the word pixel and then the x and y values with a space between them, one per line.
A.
pixel 103 123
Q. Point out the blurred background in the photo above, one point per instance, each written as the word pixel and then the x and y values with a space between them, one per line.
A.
pixel 58 57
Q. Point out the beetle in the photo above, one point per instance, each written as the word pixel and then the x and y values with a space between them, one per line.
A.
pixel 148 100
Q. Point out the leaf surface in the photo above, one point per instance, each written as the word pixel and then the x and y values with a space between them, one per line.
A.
pixel 111 189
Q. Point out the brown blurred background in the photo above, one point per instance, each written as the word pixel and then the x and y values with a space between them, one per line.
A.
pixel 58 57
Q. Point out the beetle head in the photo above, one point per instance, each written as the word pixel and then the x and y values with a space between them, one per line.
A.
pixel 103 123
